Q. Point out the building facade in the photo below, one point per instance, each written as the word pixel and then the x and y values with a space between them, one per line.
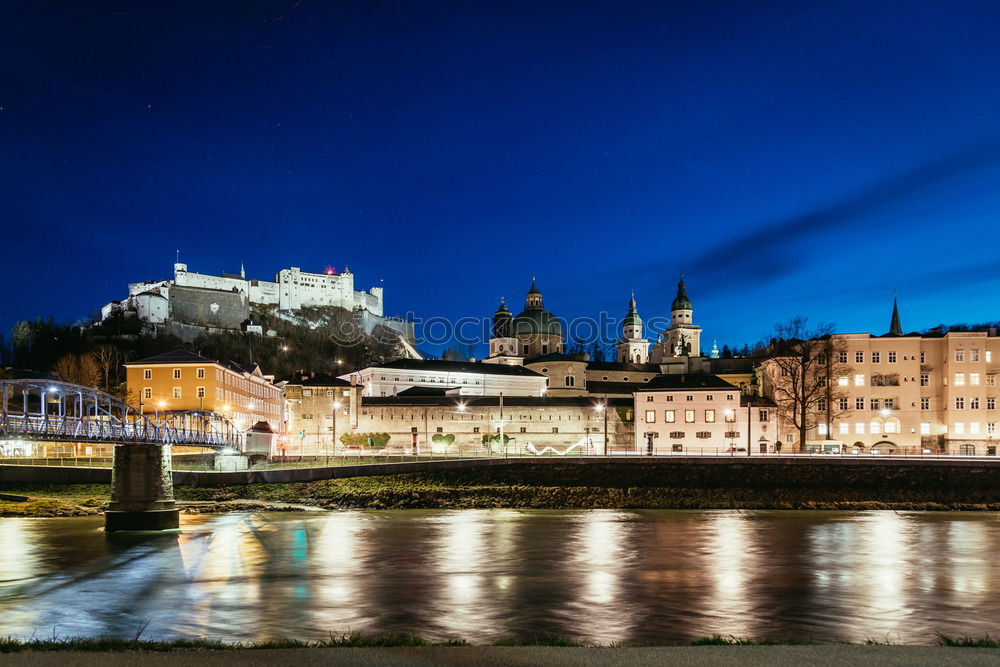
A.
pixel 318 410
pixel 183 380
pixel 455 377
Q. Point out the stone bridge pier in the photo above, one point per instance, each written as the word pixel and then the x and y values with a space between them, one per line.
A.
pixel 142 490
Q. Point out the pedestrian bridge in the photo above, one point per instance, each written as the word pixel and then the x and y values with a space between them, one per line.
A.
pixel 64 412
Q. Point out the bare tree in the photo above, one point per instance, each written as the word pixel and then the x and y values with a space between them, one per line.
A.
pixel 109 361
pixel 802 373
pixel 78 369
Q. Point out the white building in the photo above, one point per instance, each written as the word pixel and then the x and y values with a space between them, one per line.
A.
pixel 702 413
pixel 448 377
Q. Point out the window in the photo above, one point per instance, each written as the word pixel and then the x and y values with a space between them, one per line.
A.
pixel 959 428
pixel 147 374
pixel 876 357
pixel 959 355
pixel 974 428
pixel 307 392
pixel 709 416
pixel 703 435
pixel 821 381
pixel 650 416
pixel 874 404
pixel 669 416
pixel 555 429
pixel 842 403
pixel 877 381
pixel 690 397
pixel 729 397
pixel 843 381
pixel 147 392
pixel 991 380
pixel 763 416
pixel 821 358
pixel 959 379
pixel 821 429
pixel 670 398
pixel 689 416
pixel 677 435
pixel 177 392
pixel 974 355
pixel 859 428
pixel 991 404
pixel 649 399
pixel 890 404
pixel 821 405
pixel 177 374
pixel 875 427
pixel 925 403
pixel 859 357
pixel 842 357
pixel 201 392
pixel 925 428
pixel 859 404
pixel 959 403
pixel 730 416
pixel 708 397
pixel 845 428
pixel 859 380
pixel 974 379
pixel 974 403
pixel 991 428
pixel 925 379
pixel 200 374
pixel 891 426
pixel 892 357
pixel 475 429
pixel 570 381
pixel 989 356
pixel 524 429
pixel 923 357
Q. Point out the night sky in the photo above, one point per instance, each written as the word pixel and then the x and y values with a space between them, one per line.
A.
pixel 790 158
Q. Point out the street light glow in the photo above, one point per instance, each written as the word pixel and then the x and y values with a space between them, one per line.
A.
pixel 461 407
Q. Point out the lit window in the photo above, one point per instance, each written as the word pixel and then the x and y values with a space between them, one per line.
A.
pixel 709 416
pixel 821 429
pixel 845 428
pixel 177 392
pixel 892 426
pixel 859 380
pixel 959 355
pixel 844 381
pixel 989 356
pixel 875 427
pixel 650 416
pixel 959 428
pixel 974 355
pixel 859 428
pixel 689 416
pixel 669 416
pixel 974 428
pixel 974 379
pixel 959 379
pixel 925 428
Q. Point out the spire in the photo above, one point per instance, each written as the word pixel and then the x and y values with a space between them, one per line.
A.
pixel 715 349
pixel 633 313
pixel 534 288
pixel 243 273
pixel 895 328
pixel 681 302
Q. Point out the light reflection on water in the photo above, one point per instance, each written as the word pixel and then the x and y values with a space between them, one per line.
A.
pixel 479 575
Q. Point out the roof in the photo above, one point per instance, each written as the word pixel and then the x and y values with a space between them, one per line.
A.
pixel 427 391
pixel 316 380
pixel 457 367
pixel 537 321
pixel 681 302
pixel 554 357
pixel 629 388
pixel 690 381
pixel 493 401
pixel 623 366
pixel 175 357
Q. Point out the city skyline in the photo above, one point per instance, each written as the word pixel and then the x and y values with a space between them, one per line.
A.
pixel 455 152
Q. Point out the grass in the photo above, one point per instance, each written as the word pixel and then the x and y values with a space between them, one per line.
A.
pixel 968 642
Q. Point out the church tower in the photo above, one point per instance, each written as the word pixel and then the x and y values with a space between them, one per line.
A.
pixel 895 328
pixel 633 348
pixel 683 338
pixel 504 347
pixel 538 331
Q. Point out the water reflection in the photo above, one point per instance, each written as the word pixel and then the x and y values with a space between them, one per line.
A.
pixel 597 576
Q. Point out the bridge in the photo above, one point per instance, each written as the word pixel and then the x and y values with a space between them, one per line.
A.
pixel 64 412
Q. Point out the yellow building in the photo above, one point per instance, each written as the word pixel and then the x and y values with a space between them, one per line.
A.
pixel 182 380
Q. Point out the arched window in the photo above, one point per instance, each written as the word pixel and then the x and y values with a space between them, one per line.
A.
pixel 570 381
pixel 967 450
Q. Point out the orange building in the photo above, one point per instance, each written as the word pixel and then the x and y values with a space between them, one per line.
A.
pixel 182 380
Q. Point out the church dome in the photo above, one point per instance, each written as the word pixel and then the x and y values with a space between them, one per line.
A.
pixel 681 301
pixel 537 321
pixel 501 321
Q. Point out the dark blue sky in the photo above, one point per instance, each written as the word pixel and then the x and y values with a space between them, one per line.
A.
pixel 790 158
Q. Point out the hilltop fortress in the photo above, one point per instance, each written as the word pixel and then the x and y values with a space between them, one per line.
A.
pixel 193 302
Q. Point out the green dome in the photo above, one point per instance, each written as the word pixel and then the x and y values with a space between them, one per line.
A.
pixel 682 302
pixel 633 314
pixel 501 321
pixel 537 321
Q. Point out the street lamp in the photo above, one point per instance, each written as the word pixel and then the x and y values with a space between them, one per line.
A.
pixel 602 408
pixel 336 407
pixel 730 424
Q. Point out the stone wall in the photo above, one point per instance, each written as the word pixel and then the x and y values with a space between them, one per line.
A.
pixel 208 308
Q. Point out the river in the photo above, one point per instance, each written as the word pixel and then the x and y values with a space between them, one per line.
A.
pixel 598 576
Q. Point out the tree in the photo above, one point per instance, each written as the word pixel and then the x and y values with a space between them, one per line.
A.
pixel 109 362
pixel 78 369
pixel 801 374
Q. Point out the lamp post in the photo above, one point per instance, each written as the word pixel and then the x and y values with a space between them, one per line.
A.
pixel 730 423
pixel 602 407
pixel 336 407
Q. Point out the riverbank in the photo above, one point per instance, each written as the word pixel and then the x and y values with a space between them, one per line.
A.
pixel 641 485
